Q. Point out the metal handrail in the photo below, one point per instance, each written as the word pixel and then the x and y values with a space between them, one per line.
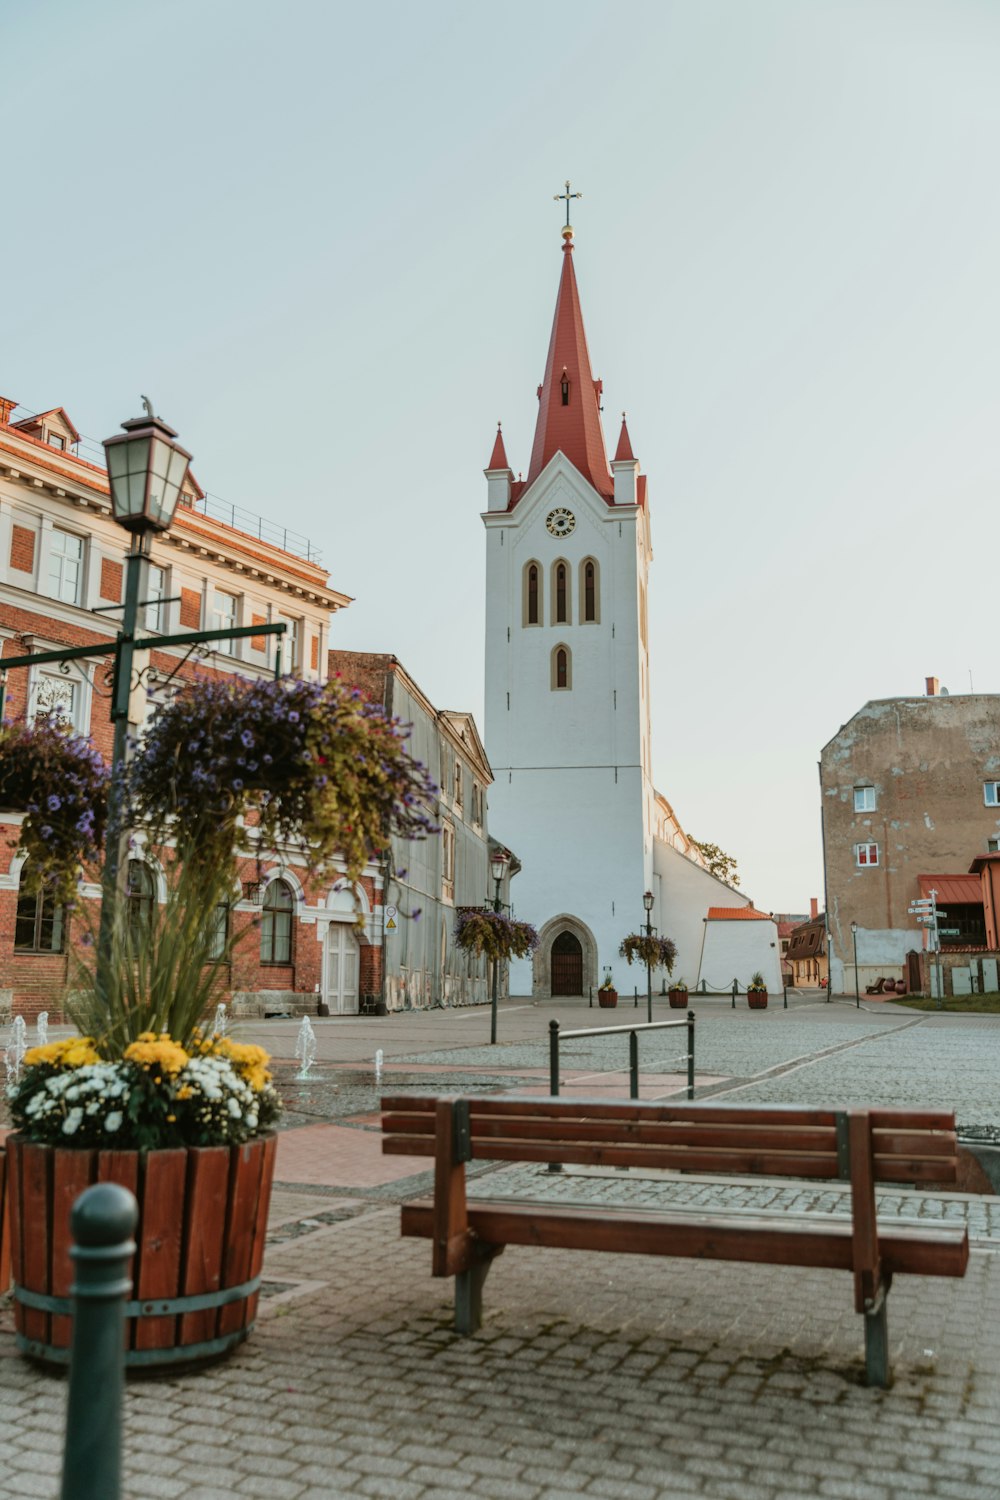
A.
pixel 555 1035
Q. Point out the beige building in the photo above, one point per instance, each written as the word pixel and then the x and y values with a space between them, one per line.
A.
pixel 911 795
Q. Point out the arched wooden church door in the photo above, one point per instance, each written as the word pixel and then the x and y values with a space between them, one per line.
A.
pixel 567 965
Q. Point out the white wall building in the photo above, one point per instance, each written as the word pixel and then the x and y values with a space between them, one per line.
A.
pixel 567 689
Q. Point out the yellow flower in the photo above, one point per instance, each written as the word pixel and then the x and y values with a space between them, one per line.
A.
pixel 161 1055
pixel 185 1091
pixel 249 1061
pixel 72 1052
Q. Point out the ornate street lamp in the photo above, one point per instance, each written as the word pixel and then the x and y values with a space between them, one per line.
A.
pixel 647 901
pixel 146 471
pixel 499 860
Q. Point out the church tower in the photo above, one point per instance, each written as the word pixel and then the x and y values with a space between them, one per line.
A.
pixel 567 672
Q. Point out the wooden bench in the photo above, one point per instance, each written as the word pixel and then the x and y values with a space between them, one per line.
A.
pixel 860 1146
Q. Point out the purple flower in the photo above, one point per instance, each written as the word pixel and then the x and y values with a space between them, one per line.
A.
pixel 54 803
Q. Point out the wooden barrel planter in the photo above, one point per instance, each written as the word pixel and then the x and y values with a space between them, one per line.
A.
pixel 757 999
pixel 199 1245
pixel 4 1226
pixel 678 999
pixel 607 999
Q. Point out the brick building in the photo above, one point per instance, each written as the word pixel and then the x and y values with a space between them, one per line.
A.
pixel 61 566
pixel 911 800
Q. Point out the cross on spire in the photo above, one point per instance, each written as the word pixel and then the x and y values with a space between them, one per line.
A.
pixel 558 197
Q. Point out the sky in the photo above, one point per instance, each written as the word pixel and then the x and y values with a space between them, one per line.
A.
pixel 322 238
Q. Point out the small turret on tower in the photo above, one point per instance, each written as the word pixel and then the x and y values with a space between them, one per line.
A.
pixel 498 475
pixel 625 468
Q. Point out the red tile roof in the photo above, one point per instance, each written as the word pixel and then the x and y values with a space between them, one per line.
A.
pixel 574 427
pixel 737 914
pixel 624 449
pixel 498 458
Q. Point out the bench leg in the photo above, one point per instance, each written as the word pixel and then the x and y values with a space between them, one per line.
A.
pixel 469 1292
pixel 877 1344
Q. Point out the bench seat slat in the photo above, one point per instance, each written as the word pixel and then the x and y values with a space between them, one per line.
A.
pixel 780 1115
pixel 935 1251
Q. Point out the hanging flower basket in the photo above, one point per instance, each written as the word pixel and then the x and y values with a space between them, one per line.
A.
pixel 645 948
pixel 60 784
pixel 491 933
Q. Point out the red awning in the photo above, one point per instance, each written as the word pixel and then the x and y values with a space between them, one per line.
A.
pixel 953 890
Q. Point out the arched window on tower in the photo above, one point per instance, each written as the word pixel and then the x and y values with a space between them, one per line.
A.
pixel 532 603
pixel 562 669
pixel 560 593
pixel 590 592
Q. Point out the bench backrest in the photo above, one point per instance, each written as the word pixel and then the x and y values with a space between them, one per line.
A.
pixel 913 1146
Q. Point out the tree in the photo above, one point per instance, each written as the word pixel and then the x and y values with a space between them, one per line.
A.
pixel 719 862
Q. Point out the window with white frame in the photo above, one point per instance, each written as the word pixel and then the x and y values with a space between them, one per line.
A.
pixel 223 614
pixel 459 792
pixel 993 846
pixel 55 440
pixel 448 856
pixel 66 566
pixel 290 642
pixel 154 595
pixel 991 793
pixel 864 799
pixel 866 854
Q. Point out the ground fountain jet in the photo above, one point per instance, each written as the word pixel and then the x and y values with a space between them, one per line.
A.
pixel 17 1046
pixel 305 1047
pixel 378 1067
pixel 219 1024
pixel 42 1029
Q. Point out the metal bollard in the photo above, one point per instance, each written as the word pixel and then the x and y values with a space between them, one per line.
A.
pixel 636 994
pixel 784 991
pixel 102 1223
pixel 690 1025
pixel 736 985
pixel 591 1005
pixel 633 1065
pixel 554 1059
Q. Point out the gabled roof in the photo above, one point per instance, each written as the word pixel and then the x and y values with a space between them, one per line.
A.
pixel 41 419
pixel 737 914
pixel 957 890
pixel 570 423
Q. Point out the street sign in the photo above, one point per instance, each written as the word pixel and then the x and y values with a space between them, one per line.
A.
pixel 390 912
pixel 391 925
pixel 920 905
pixel 949 931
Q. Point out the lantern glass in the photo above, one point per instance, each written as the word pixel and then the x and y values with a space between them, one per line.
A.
pixel 647 900
pixel 498 863
pixel 146 470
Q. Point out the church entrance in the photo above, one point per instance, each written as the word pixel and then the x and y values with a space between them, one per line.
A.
pixel 567 965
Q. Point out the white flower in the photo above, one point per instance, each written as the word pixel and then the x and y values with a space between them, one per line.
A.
pixel 234 1109
pixel 71 1124
pixel 114 1120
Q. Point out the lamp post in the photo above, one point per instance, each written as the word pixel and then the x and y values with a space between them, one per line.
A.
pixel 647 901
pixel 857 993
pixel 146 472
pixel 499 861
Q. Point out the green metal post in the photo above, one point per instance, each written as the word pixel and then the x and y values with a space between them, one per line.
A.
pixel 554 1059
pixel 736 985
pixel 633 1065
pixel 114 846
pixel 102 1224
pixel 690 1026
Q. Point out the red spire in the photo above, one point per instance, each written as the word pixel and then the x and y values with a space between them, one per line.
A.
pixel 624 449
pixel 569 397
pixel 498 458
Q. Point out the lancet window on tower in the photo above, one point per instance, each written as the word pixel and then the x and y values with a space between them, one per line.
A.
pixel 590 595
pixel 562 669
pixel 532 595
pixel 560 593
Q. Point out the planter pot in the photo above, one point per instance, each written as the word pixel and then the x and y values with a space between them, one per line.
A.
pixel 200 1245
pixel 607 999
pixel 678 999
pixel 757 999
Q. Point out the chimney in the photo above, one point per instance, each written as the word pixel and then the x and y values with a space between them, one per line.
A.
pixel 813 908
pixel 6 407
pixel 933 686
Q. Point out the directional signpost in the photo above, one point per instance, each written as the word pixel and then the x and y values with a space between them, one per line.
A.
pixel 928 914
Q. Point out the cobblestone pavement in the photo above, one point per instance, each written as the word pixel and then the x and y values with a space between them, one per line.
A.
pixel 625 1377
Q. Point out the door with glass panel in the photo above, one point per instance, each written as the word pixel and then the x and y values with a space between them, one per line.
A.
pixel 342 963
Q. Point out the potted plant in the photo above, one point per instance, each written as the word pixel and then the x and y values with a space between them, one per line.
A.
pixel 678 995
pixel 146 1096
pixel 607 995
pixel 757 992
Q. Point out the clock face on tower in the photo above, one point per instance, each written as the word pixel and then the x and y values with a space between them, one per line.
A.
pixel 560 522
